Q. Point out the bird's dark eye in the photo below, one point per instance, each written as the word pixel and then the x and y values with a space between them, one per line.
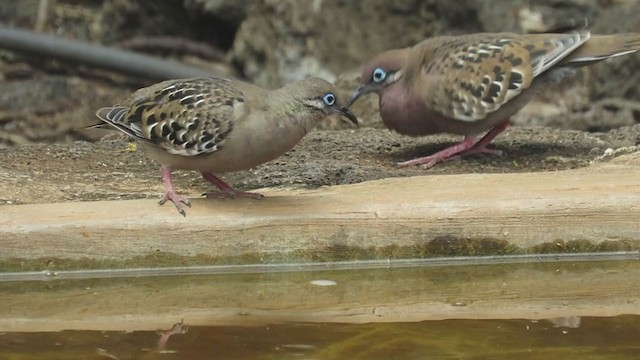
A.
pixel 329 99
pixel 379 75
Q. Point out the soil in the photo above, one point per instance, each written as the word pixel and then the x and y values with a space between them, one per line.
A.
pixel 117 169
pixel 43 101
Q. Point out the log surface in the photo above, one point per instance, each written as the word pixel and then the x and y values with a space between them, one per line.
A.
pixel 600 203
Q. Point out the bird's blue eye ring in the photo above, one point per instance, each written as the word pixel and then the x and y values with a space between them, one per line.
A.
pixel 329 99
pixel 379 75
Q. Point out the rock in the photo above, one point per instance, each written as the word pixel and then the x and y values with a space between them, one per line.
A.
pixel 19 13
pixel 525 16
pixel 232 11
pixel 618 77
pixel 287 40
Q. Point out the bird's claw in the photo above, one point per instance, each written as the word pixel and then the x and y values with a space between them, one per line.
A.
pixel 430 161
pixel 426 162
pixel 481 150
pixel 178 200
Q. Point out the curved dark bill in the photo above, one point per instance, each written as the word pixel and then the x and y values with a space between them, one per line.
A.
pixel 359 91
pixel 348 114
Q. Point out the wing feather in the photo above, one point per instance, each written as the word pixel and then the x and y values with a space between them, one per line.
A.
pixel 469 77
pixel 185 117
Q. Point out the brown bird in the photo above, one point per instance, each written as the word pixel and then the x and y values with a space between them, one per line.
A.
pixel 216 125
pixel 474 83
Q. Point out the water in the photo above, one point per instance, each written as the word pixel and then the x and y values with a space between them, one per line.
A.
pixel 557 310
pixel 593 338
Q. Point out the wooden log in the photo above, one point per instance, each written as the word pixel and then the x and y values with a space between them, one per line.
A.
pixel 468 214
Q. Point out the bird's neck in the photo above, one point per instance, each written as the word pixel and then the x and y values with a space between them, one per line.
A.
pixel 289 108
pixel 413 62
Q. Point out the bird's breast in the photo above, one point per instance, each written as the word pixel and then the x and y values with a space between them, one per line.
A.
pixel 411 115
pixel 406 114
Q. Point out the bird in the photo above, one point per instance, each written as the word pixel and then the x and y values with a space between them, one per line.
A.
pixel 215 125
pixel 471 84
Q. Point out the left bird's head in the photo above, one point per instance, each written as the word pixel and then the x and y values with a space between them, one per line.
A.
pixel 320 95
pixel 383 70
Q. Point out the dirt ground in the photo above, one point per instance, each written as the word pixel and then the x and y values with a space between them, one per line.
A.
pixel 116 169
pixel 43 101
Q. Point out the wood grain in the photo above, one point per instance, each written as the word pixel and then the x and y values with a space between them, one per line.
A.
pixel 594 204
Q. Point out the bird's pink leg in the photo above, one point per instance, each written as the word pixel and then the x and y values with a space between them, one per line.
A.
pixel 467 147
pixel 442 155
pixel 170 194
pixel 480 147
pixel 227 191
pixel 178 328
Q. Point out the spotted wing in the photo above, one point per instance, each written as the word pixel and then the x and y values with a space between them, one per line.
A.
pixel 184 117
pixel 469 77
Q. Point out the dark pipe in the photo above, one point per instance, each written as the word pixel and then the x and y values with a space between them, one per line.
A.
pixel 123 61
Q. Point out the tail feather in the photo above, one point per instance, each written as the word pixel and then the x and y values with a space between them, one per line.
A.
pixel 112 115
pixel 602 47
pixel 116 117
pixel 101 125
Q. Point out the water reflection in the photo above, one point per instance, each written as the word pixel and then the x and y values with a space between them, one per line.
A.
pixel 572 322
pixel 384 313
pixel 177 328
pixel 601 338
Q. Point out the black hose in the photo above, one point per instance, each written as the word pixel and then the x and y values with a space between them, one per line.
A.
pixel 123 61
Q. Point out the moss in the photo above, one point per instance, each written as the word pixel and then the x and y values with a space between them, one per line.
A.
pixel 582 246
pixel 157 259
pixel 442 246
pixel 452 246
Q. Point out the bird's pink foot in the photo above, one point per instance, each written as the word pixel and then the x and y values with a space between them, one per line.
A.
pixel 480 147
pixel 467 147
pixel 427 161
pixel 170 194
pixel 481 150
pixel 177 329
pixel 226 191
pixel 178 200
pixel 449 153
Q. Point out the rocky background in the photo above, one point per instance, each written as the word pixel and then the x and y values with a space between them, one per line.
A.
pixel 273 42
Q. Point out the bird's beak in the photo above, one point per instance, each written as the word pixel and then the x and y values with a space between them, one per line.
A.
pixel 362 89
pixel 348 114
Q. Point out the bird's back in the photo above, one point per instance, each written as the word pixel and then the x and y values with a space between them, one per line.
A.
pixel 471 78
pixel 184 117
